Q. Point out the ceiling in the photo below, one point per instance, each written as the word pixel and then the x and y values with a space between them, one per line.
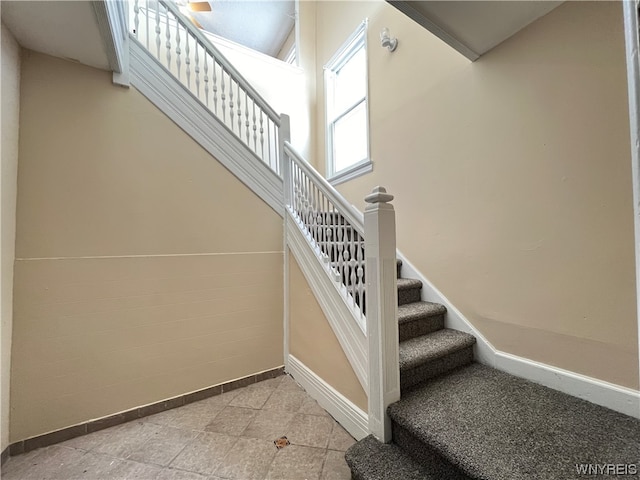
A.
pixel 475 27
pixel 261 25
pixel 55 27
pixel 472 27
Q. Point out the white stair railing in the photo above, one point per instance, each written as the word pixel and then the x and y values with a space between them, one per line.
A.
pixel 333 228
pixel 347 243
pixel 191 58
pixel 359 255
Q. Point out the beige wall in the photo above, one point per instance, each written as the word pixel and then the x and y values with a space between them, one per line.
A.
pixel 144 268
pixel 8 186
pixel 307 61
pixel 512 177
pixel 313 342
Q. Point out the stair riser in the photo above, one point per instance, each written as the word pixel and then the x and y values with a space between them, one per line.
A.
pixel 409 295
pixel 421 326
pixel 425 455
pixel 417 375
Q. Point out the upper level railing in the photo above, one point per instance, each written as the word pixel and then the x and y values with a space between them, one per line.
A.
pixel 191 57
pixel 333 227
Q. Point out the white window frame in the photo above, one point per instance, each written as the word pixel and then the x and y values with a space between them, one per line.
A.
pixel 356 41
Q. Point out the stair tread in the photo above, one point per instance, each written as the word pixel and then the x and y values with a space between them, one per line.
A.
pixel 369 459
pixel 408 283
pixel 426 348
pixel 493 425
pixel 417 310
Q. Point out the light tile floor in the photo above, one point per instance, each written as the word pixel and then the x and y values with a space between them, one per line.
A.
pixel 229 436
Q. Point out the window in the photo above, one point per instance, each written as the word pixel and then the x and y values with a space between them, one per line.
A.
pixel 346 111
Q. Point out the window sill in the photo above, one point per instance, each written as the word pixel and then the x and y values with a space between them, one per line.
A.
pixel 352 172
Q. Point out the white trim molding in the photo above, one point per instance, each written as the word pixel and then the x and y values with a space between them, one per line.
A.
pixel 333 113
pixel 348 332
pixel 408 9
pixel 615 397
pixel 181 106
pixel 112 18
pixel 354 171
pixel 631 10
pixel 350 416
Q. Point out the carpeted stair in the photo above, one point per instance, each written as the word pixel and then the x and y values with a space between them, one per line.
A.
pixel 461 420
pixel 427 349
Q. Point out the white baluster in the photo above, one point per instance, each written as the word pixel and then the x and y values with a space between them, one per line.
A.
pixel 158 41
pixel 231 110
pixel 246 116
pixel 239 112
pixel 355 246
pixel 187 60
pixel 255 127
pixel 197 69
pixel 360 277
pixel 178 51
pixel 325 229
pixel 136 17
pixel 146 15
pixel 314 210
pixel 215 87
pixel 340 242
pixel 298 191
pixel 261 136
pixel 206 78
pixel 334 235
pixel 168 42
pixel 223 97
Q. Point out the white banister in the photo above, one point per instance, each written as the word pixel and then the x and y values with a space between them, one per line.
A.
pixel 220 58
pixel 359 255
pixel 354 217
pixel 382 310
pixel 333 228
pixel 194 50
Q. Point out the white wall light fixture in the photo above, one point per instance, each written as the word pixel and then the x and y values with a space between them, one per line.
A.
pixel 387 41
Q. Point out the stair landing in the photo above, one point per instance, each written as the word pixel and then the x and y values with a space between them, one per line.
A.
pixel 495 426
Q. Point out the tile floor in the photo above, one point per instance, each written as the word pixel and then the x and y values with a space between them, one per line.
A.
pixel 229 436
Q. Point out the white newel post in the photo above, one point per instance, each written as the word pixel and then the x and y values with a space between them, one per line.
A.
pixel 382 310
pixel 284 135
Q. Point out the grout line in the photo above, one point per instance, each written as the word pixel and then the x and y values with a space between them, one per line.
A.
pixel 67 433
pixel 99 257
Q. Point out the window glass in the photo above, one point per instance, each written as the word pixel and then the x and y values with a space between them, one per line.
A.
pixel 346 106
pixel 350 138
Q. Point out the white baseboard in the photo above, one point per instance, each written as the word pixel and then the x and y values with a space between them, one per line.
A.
pixel 615 397
pixel 350 416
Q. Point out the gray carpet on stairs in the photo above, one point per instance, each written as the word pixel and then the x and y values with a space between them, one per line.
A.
pixel 419 318
pixel 417 310
pixel 495 426
pixel 371 460
pixel 430 347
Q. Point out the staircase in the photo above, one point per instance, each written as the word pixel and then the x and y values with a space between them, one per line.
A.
pixel 456 419
pixel 461 420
